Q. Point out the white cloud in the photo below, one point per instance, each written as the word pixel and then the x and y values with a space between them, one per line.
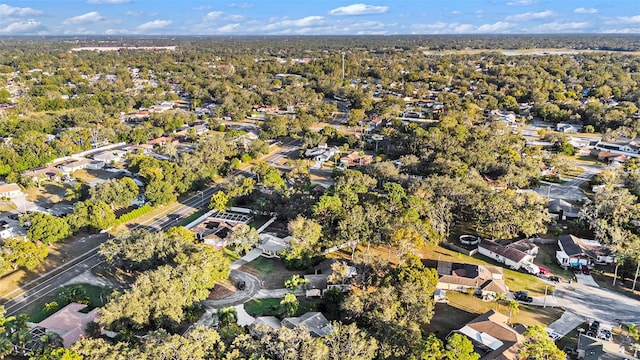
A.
pixel 558 26
pixel 530 16
pixel 139 13
pixel 303 22
pixel 244 5
pixel 497 27
pixel 108 1
pixel 455 12
pixel 91 17
pixel 8 10
pixel 213 15
pixel 234 17
pixel 153 25
pixel 522 2
pixel 582 10
pixel 359 9
pixel 201 8
pixel 459 28
pixel 629 19
pixel 228 28
pixel 21 27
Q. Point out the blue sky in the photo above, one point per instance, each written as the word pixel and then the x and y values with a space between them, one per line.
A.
pixel 316 17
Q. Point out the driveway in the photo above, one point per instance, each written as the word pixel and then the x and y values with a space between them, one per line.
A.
pixel 586 280
pixel 567 322
pixel 597 303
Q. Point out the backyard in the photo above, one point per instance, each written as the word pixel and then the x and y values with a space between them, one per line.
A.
pixel 271 271
pixel 91 295
pixel 271 307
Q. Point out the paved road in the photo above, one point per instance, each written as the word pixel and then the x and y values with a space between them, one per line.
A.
pixel 597 303
pixel 52 280
pixel 49 282
pixel 570 190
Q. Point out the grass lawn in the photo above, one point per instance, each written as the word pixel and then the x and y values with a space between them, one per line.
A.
pixel 527 314
pixel 258 221
pixel 189 219
pixel 271 306
pixel 7 206
pixel 515 280
pixel 97 297
pixel 271 271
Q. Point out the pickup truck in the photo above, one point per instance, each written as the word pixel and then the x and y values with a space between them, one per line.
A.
pixel 522 296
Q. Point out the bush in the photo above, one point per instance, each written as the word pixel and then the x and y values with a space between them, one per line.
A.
pixel 133 214
pixel 51 307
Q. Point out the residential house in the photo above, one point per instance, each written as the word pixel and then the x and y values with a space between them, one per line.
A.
pixel 214 232
pixel 563 209
pixel 508 117
pixel 575 251
pixel 272 245
pixel 322 152
pixel 316 285
pixel 10 191
pixel 163 140
pixel 262 323
pixel 47 172
pixel 590 348
pixel 568 128
pixel 80 165
pixel 356 159
pixel 510 255
pixel 110 156
pixel 620 146
pixel 69 322
pixel 314 322
pixel 491 337
pixel 485 281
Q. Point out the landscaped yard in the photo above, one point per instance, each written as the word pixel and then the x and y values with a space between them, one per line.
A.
pixel 527 314
pixel 271 306
pixel 271 271
pixel 95 295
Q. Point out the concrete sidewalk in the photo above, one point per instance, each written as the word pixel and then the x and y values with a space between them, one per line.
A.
pixel 567 322
pixel 249 257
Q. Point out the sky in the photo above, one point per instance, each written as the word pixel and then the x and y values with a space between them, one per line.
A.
pixel 316 17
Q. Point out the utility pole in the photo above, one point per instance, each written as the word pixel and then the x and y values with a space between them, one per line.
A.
pixel 544 303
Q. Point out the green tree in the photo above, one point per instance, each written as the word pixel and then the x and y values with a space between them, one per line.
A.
pixel 22 252
pixel 347 342
pixel 459 347
pixel 289 305
pixel 539 346
pixel 47 228
pixel 219 202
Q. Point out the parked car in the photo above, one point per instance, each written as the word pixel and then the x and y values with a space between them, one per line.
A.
pixel 552 334
pixel 543 270
pixel 14 216
pixel 522 296
pixel 594 326
pixel 555 279
pixel 585 270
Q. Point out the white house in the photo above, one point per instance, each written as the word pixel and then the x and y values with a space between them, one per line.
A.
pixel 620 146
pixel 511 256
pixel 575 251
pixel 10 191
pixel 322 152
pixel 568 128
pixel 110 156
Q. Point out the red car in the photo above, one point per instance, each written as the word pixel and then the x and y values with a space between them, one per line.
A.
pixel 543 271
pixel 585 270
